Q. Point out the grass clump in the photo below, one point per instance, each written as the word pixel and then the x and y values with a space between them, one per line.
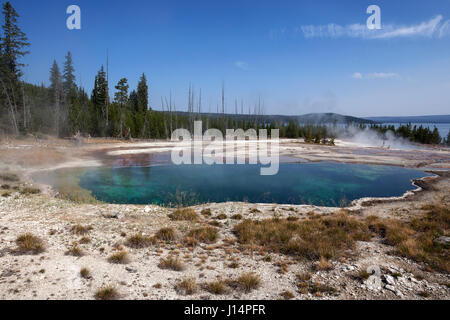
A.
pixel 206 213
pixel 187 286
pixel 165 234
pixel 75 251
pixel 204 234
pixel 85 273
pixel 120 257
pixel 139 241
pixel 287 295
pixel 28 243
pixel 6 194
pixel 80 229
pixel 222 216
pixel 415 239
pixel 312 239
pixel 237 217
pixel 186 214
pixel 306 285
pixel 323 265
pixel 10 177
pixel 171 263
pixel 5 186
pixel 248 281
pixel 30 191
pixel 107 293
pixel 216 287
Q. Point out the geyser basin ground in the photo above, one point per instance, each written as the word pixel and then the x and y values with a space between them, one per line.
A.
pixel 322 184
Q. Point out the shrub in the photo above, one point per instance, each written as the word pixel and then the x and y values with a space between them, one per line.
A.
pixel 187 286
pixel 6 186
pixel 171 263
pixel 186 214
pixel 6 194
pixel 75 251
pixel 222 216
pixel 139 241
pixel 107 293
pixel 248 281
pixel 28 243
pixel 166 234
pixel 287 295
pixel 120 257
pixel 85 273
pixel 215 287
pixel 204 234
pixel 206 213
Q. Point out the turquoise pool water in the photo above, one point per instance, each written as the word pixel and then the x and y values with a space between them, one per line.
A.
pixel 326 184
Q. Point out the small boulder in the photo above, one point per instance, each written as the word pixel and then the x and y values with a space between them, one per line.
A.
pixel 442 241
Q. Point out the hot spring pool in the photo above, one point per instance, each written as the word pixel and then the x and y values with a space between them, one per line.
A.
pixel 324 183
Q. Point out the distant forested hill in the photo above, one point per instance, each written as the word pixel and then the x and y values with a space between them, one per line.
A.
pixel 418 119
pixel 311 118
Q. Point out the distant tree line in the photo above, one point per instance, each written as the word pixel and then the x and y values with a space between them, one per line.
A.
pixel 419 134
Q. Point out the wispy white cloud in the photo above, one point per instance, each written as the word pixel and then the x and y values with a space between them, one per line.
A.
pixel 376 75
pixel 433 28
pixel 241 65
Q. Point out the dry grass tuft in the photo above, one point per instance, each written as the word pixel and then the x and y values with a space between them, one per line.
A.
pixel 171 263
pixel 80 230
pixel 120 257
pixel 206 213
pixel 415 239
pixel 216 287
pixel 186 214
pixel 248 281
pixel 30 191
pixel 187 286
pixel 75 251
pixel 166 234
pixel 323 265
pixel 28 243
pixel 204 234
pixel 138 241
pixel 107 293
pixel 85 273
pixel 222 216
pixel 287 295
pixel 311 239
pixel 237 217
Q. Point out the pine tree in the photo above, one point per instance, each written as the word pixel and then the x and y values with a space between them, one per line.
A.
pixel 68 75
pixel 56 88
pixel 121 98
pixel 99 101
pixel 13 42
pixel 142 94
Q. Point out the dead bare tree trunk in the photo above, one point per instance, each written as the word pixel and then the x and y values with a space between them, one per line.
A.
pixel 12 108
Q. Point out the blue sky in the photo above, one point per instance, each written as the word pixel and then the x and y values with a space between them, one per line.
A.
pixel 298 56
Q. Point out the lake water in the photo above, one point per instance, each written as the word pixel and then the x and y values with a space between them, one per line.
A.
pixel 324 183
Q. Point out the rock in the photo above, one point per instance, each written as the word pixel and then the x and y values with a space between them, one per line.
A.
pixel 131 270
pixel 390 288
pixel 442 241
pixel 389 279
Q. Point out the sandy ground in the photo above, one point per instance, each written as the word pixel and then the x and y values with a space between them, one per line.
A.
pixel 53 274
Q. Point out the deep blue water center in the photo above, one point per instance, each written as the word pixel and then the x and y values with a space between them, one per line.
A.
pixel 326 184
